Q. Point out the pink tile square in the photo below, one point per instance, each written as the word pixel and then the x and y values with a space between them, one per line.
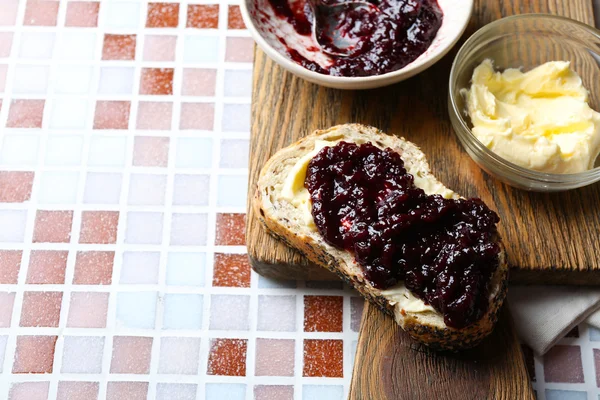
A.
pixel 8 16
pixel 41 13
pixel 7 301
pixel 3 70
pixel 10 264
pixel 41 309
pixel 131 355
pixel 563 364
pixel 93 268
pixel 76 390
pixel 197 116
pixel 239 49
pixel 82 14
pixel 29 391
pixel 199 82
pixel 6 39
pixel 52 226
pixel 274 357
pixel 112 114
pixel 47 267
pixel 15 186
pixel 127 390
pixel 273 392
pixel 160 48
pixel 150 151
pixel 88 310
pixel 119 47
pixel 154 115
pixel 34 355
pixel 25 114
pixel 99 227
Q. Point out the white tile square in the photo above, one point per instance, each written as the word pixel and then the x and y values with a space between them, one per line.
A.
pixel 322 392
pixel 186 269
pixel 102 188
pixel 191 190
pixel 229 391
pixel 238 83
pixel 82 355
pixel 144 228
pixel 236 118
pixel 30 79
pixel 19 150
pixel 121 15
pixel 232 191
pixel 179 355
pixel 179 391
pixel 136 310
pixel 68 114
pixel 63 150
pixel 3 340
pixel 12 225
pixel 182 311
pixel 107 151
pixel 37 45
pixel 58 187
pixel 73 79
pixel 234 153
pixel 147 189
pixel 77 46
pixel 116 80
pixel 229 312
pixel 199 49
pixel 188 229
pixel 193 153
pixel 140 267
pixel 276 313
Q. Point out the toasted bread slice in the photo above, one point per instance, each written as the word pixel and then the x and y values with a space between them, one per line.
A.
pixel 291 222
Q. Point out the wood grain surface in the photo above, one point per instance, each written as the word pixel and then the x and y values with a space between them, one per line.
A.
pixel 550 238
pixel 389 365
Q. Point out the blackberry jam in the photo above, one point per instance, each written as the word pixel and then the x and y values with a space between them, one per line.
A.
pixel 385 41
pixel 364 201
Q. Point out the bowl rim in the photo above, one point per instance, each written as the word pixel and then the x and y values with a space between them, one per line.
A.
pixel 315 76
pixel 466 133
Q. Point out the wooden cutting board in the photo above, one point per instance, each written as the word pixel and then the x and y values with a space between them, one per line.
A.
pixel 550 238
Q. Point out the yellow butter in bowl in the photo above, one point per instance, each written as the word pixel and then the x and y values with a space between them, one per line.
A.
pixel 538 119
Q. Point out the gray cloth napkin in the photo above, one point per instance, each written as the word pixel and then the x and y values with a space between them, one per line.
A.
pixel 545 314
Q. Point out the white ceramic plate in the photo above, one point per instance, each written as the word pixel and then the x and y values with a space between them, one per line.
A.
pixel 266 29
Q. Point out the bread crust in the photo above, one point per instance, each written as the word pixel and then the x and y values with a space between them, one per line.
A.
pixel 430 331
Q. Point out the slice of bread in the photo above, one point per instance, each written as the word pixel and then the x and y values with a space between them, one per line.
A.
pixel 288 221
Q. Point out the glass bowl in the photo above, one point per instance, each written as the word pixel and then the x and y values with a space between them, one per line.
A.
pixel 525 41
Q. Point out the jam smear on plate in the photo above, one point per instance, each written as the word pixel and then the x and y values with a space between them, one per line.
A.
pixel 364 201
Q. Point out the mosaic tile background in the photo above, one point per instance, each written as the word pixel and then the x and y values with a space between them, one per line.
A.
pixel 123 167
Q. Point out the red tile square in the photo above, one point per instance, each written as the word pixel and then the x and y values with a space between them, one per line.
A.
pixel 41 13
pixel 197 116
pixel 93 268
pixel 112 114
pixel 34 354
pixel 156 81
pixel 99 227
pixel 82 14
pixel 272 392
pixel 563 364
pixel 203 16
pixel 15 186
pixel 10 264
pixel 6 39
pixel 7 301
pixel 41 309
pixel 52 226
pixel 8 16
pixel 323 358
pixel 231 229
pixel 231 270
pixel 234 18
pixel 227 357
pixel 274 357
pixel 150 151
pixel 162 15
pixel 131 355
pixel 88 310
pixel 323 313
pixel 153 115
pixel 29 391
pixel 25 114
pixel 159 47
pixel 71 390
pixel 127 390
pixel 119 47
pixel 239 49
pixel 47 267
pixel 199 82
